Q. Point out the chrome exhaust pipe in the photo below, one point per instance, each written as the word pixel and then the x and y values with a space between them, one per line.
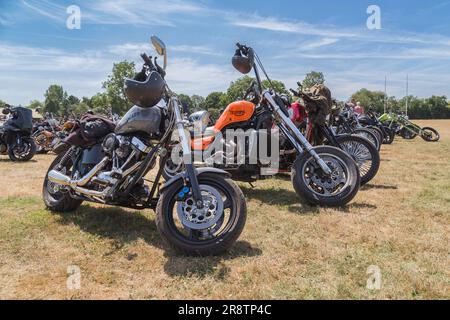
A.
pixel 58 178
pixel 64 180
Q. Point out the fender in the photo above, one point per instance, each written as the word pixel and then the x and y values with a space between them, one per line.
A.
pixel 198 172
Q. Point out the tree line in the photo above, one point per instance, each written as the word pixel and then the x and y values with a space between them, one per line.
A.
pixel 112 100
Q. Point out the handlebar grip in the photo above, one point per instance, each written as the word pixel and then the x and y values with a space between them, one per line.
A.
pixel 146 59
pixel 295 93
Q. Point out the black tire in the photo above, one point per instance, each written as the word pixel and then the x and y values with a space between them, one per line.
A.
pixel 305 190
pixel 378 133
pixel 370 135
pixel 360 149
pixel 168 171
pixel 430 135
pixel 62 201
pixel 166 224
pixel 31 151
pixel 407 134
pixel 389 135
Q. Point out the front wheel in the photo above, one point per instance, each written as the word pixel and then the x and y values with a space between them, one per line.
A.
pixel 24 151
pixel 205 231
pixel 316 187
pixel 430 134
pixel 369 135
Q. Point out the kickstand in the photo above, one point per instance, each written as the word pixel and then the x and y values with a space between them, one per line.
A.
pixel 251 185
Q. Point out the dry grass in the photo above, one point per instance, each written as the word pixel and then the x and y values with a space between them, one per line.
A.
pixel 400 222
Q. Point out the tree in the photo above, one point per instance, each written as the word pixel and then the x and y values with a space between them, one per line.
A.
pixel 54 99
pixel 36 105
pixel 100 103
pixel 197 102
pixel 2 103
pixel 278 86
pixel 186 102
pixel 237 89
pixel 370 99
pixel 114 86
pixel 214 102
pixel 312 78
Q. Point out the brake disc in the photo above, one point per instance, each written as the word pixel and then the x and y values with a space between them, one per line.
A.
pixel 195 218
pixel 336 177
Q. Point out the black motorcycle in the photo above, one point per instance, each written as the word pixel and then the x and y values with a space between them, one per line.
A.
pixel 199 211
pixel 15 134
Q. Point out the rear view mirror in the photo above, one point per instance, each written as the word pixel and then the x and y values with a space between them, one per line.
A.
pixel 160 48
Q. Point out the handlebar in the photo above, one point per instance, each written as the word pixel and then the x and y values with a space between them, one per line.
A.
pixel 147 60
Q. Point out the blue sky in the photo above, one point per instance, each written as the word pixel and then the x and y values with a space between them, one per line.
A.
pixel 291 37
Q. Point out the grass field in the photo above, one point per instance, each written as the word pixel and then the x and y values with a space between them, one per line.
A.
pixel 399 223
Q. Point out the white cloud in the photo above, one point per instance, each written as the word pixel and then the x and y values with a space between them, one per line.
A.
pixel 133 12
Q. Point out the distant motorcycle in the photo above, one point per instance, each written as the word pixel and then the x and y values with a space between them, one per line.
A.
pixel 45 135
pixel 15 134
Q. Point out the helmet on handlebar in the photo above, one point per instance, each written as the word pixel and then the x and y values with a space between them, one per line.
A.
pixel 243 63
pixel 147 93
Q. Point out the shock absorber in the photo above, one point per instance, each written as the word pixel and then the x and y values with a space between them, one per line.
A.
pixel 65 157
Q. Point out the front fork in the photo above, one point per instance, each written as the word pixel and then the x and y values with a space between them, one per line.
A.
pixel 191 174
pixel 304 143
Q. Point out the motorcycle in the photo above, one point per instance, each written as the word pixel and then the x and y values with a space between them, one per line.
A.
pixel 407 129
pixel 322 175
pixel 15 134
pixel 47 134
pixel 344 122
pixel 370 120
pixel 198 212
pixel 359 148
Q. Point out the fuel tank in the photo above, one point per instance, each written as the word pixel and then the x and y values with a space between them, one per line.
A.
pixel 238 111
pixel 137 119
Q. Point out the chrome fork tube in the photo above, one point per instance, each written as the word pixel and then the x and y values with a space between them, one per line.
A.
pixel 187 155
pixel 303 141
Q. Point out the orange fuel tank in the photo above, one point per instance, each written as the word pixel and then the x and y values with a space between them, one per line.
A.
pixel 238 111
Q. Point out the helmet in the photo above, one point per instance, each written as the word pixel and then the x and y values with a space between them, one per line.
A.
pixel 243 64
pixel 147 93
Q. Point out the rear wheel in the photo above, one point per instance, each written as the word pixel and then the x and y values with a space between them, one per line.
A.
pixel 56 197
pixel 408 133
pixel 364 153
pixel 430 134
pixel 318 188
pixel 205 231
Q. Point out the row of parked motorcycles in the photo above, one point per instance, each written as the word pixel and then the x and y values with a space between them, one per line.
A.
pixel 200 210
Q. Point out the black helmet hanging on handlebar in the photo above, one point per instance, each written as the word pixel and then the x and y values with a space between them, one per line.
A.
pixel 146 93
pixel 243 59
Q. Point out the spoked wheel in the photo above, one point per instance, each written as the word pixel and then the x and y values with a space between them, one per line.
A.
pixel 316 187
pixel 172 167
pixel 207 230
pixel 369 135
pixel 24 151
pixel 430 134
pixel 364 153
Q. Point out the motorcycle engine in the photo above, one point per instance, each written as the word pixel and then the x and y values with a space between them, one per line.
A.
pixel 119 144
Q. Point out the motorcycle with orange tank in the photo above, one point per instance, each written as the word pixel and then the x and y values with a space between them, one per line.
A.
pixel 321 175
